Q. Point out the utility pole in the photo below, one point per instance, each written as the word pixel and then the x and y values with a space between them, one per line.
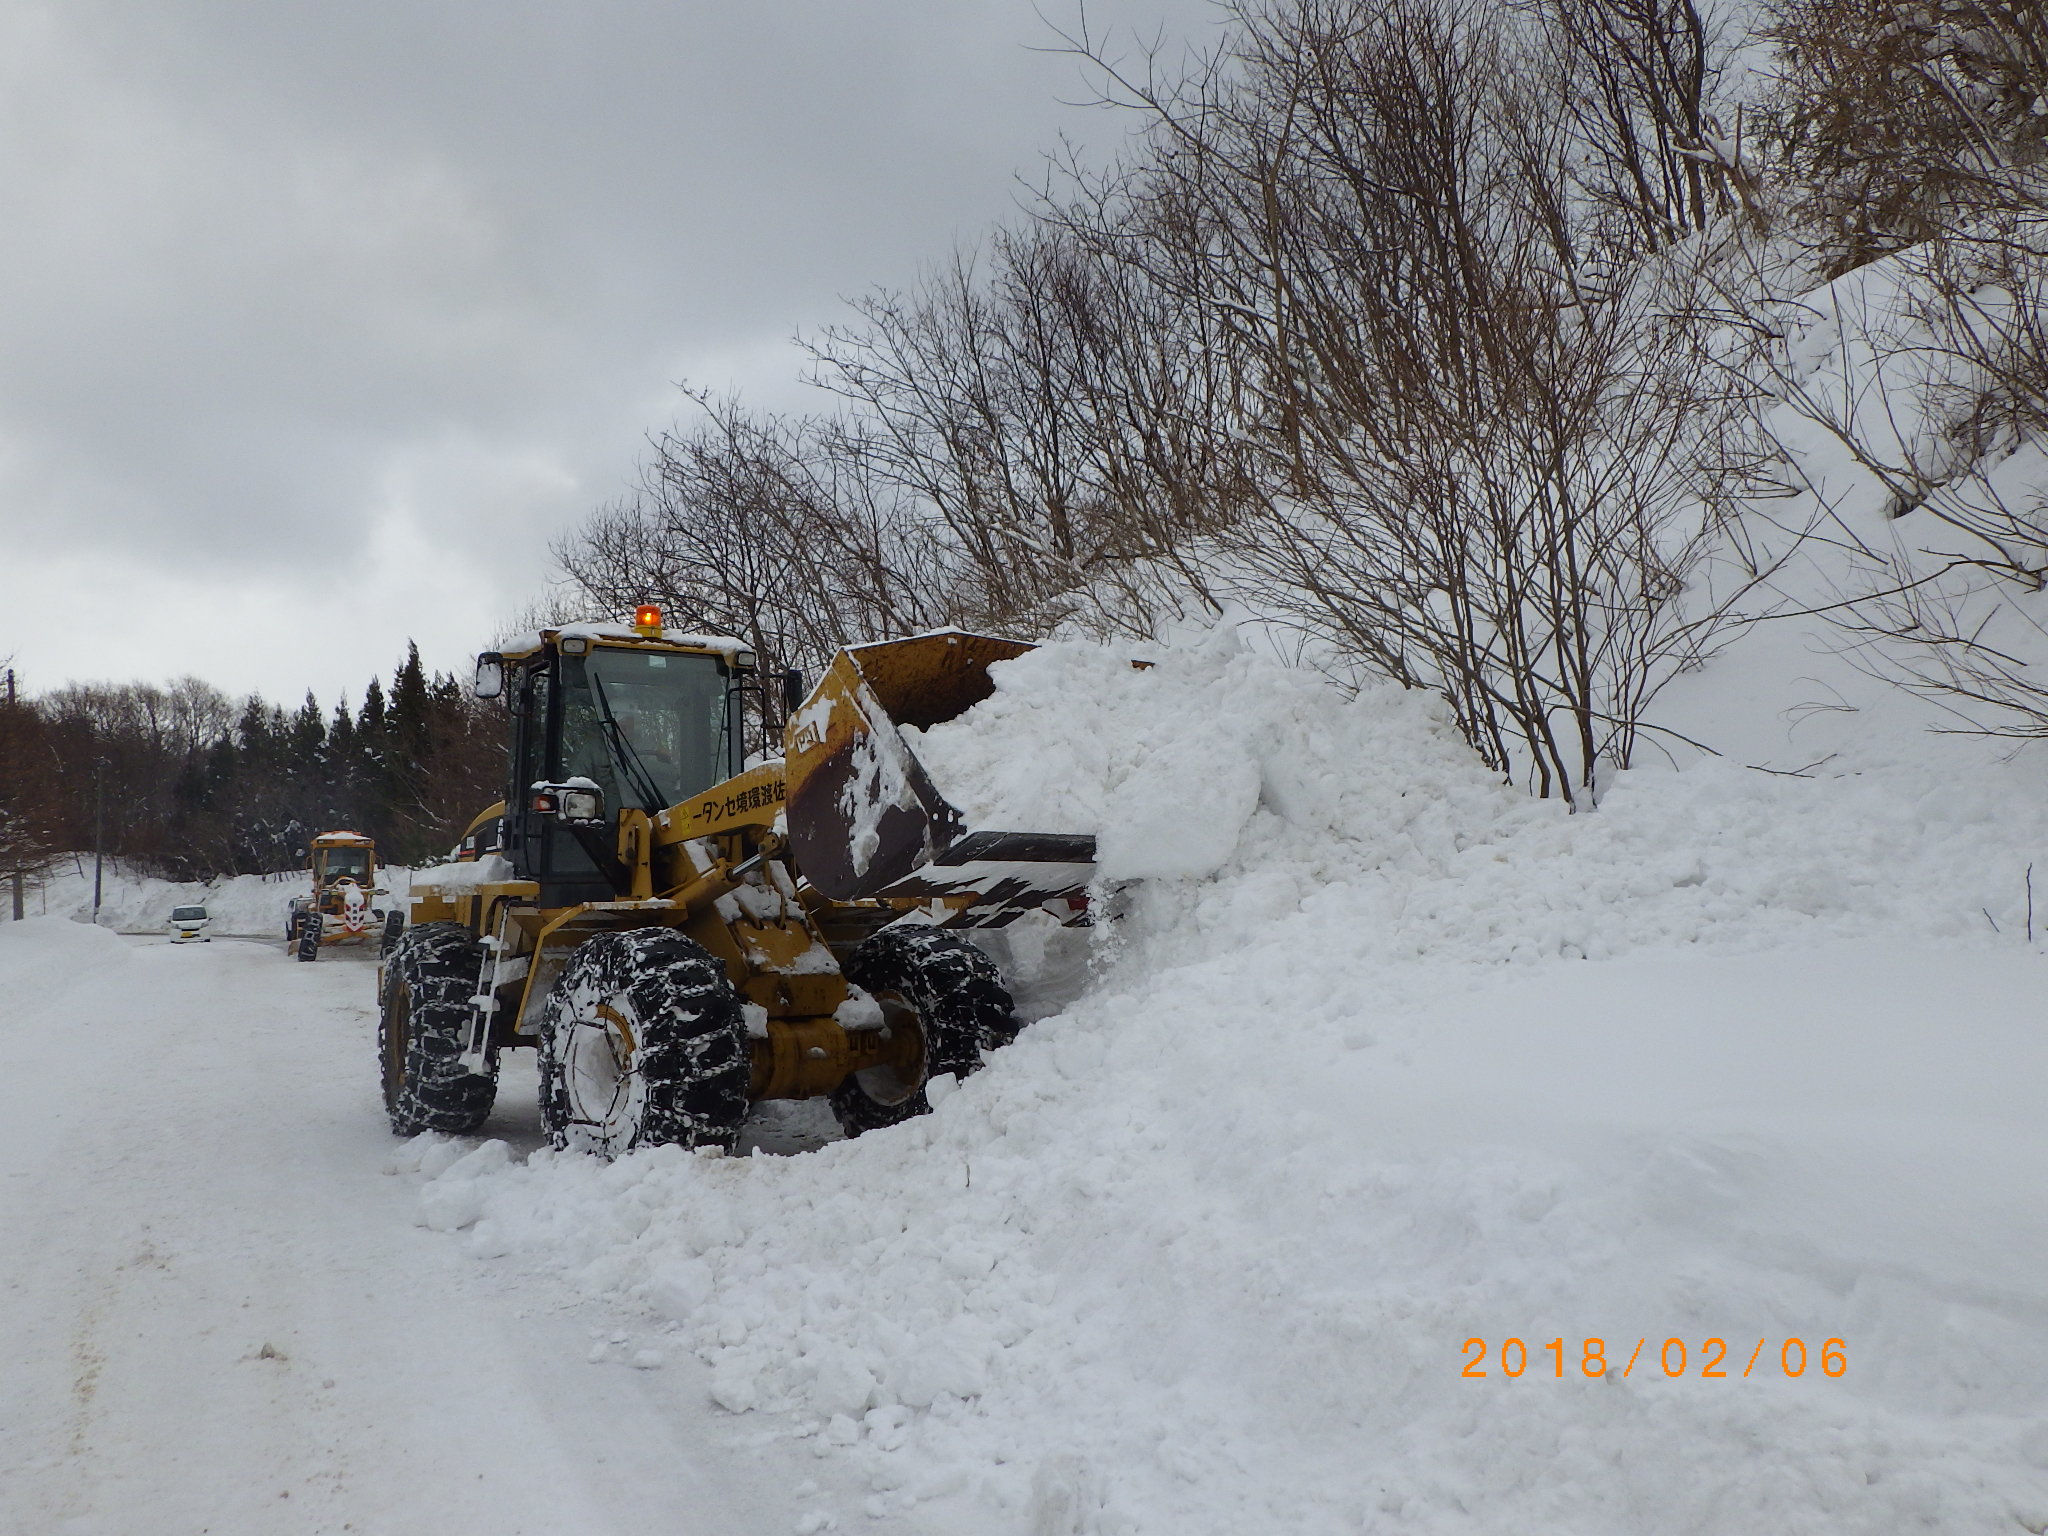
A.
pixel 19 879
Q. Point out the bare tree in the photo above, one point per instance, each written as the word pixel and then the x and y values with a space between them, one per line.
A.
pixel 781 533
pixel 1477 476
pixel 1898 122
pixel 30 806
pixel 1391 327
pixel 1057 414
pixel 959 391
pixel 1639 83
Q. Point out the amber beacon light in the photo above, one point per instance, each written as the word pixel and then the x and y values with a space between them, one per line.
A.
pixel 647 619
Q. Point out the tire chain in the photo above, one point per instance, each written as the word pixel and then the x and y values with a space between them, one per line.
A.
pixel 963 1009
pixel 436 964
pixel 692 1061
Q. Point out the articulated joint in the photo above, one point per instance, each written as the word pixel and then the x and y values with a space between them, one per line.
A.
pixel 803 1058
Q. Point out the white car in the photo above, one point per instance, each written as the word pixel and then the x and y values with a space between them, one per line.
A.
pixel 188 923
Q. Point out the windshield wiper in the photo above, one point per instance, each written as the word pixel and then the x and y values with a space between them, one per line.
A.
pixel 622 751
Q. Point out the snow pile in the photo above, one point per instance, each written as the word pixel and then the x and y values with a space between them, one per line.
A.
pixel 1218 762
pixel 130 902
pixel 39 955
pixel 1076 739
pixel 1202 1251
pixel 241 906
pixel 456 877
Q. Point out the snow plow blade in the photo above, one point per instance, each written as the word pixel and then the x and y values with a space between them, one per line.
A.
pixel 866 821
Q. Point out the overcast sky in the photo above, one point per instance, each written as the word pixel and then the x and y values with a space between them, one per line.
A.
pixel 319 321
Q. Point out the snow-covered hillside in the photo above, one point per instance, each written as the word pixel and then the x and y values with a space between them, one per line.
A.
pixel 1897 508
pixel 1398 1059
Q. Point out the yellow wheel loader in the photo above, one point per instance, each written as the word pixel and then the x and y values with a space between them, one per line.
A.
pixel 681 934
pixel 343 907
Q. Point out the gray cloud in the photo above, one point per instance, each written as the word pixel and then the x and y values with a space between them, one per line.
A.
pixel 318 321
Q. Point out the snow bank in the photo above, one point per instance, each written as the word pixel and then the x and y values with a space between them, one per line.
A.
pixel 242 906
pixel 1201 1252
pixel 1214 762
pixel 39 954
pixel 130 902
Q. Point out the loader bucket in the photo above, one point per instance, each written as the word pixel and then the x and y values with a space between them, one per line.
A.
pixel 866 819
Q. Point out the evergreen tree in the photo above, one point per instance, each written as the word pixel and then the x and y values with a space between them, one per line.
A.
pixel 370 722
pixel 411 711
pixel 196 785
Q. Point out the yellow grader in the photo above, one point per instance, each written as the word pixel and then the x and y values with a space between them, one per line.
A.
pixel 680 934
pixel 342 907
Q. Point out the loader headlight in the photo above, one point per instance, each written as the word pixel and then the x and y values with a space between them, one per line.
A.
pixel 582 805
pixel 576 802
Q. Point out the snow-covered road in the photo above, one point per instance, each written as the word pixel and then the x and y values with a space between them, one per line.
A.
pixel 217 1312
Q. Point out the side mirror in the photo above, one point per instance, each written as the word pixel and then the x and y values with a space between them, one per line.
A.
pixel 792 691
pixel 490 676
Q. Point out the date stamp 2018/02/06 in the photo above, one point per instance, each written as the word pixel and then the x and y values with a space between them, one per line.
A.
pixel 1710 1359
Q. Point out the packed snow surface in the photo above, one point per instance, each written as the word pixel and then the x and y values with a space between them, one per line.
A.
pixel 1381 1058
pixel 219 1313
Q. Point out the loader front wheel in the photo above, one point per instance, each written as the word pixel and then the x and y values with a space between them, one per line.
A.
pixel 429 977
pixel 310 926
pixel 643 1043
pixel 962 1007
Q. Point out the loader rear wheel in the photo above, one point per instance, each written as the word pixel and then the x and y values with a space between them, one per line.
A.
pixel 643 1043
pixel 429 978
pixel 962 1007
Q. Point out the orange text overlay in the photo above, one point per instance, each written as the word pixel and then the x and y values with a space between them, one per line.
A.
pixel 1702 1359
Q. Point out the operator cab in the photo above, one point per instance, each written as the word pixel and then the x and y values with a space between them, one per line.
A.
pixel 332 864
pixel 343 863
pixel 604 718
